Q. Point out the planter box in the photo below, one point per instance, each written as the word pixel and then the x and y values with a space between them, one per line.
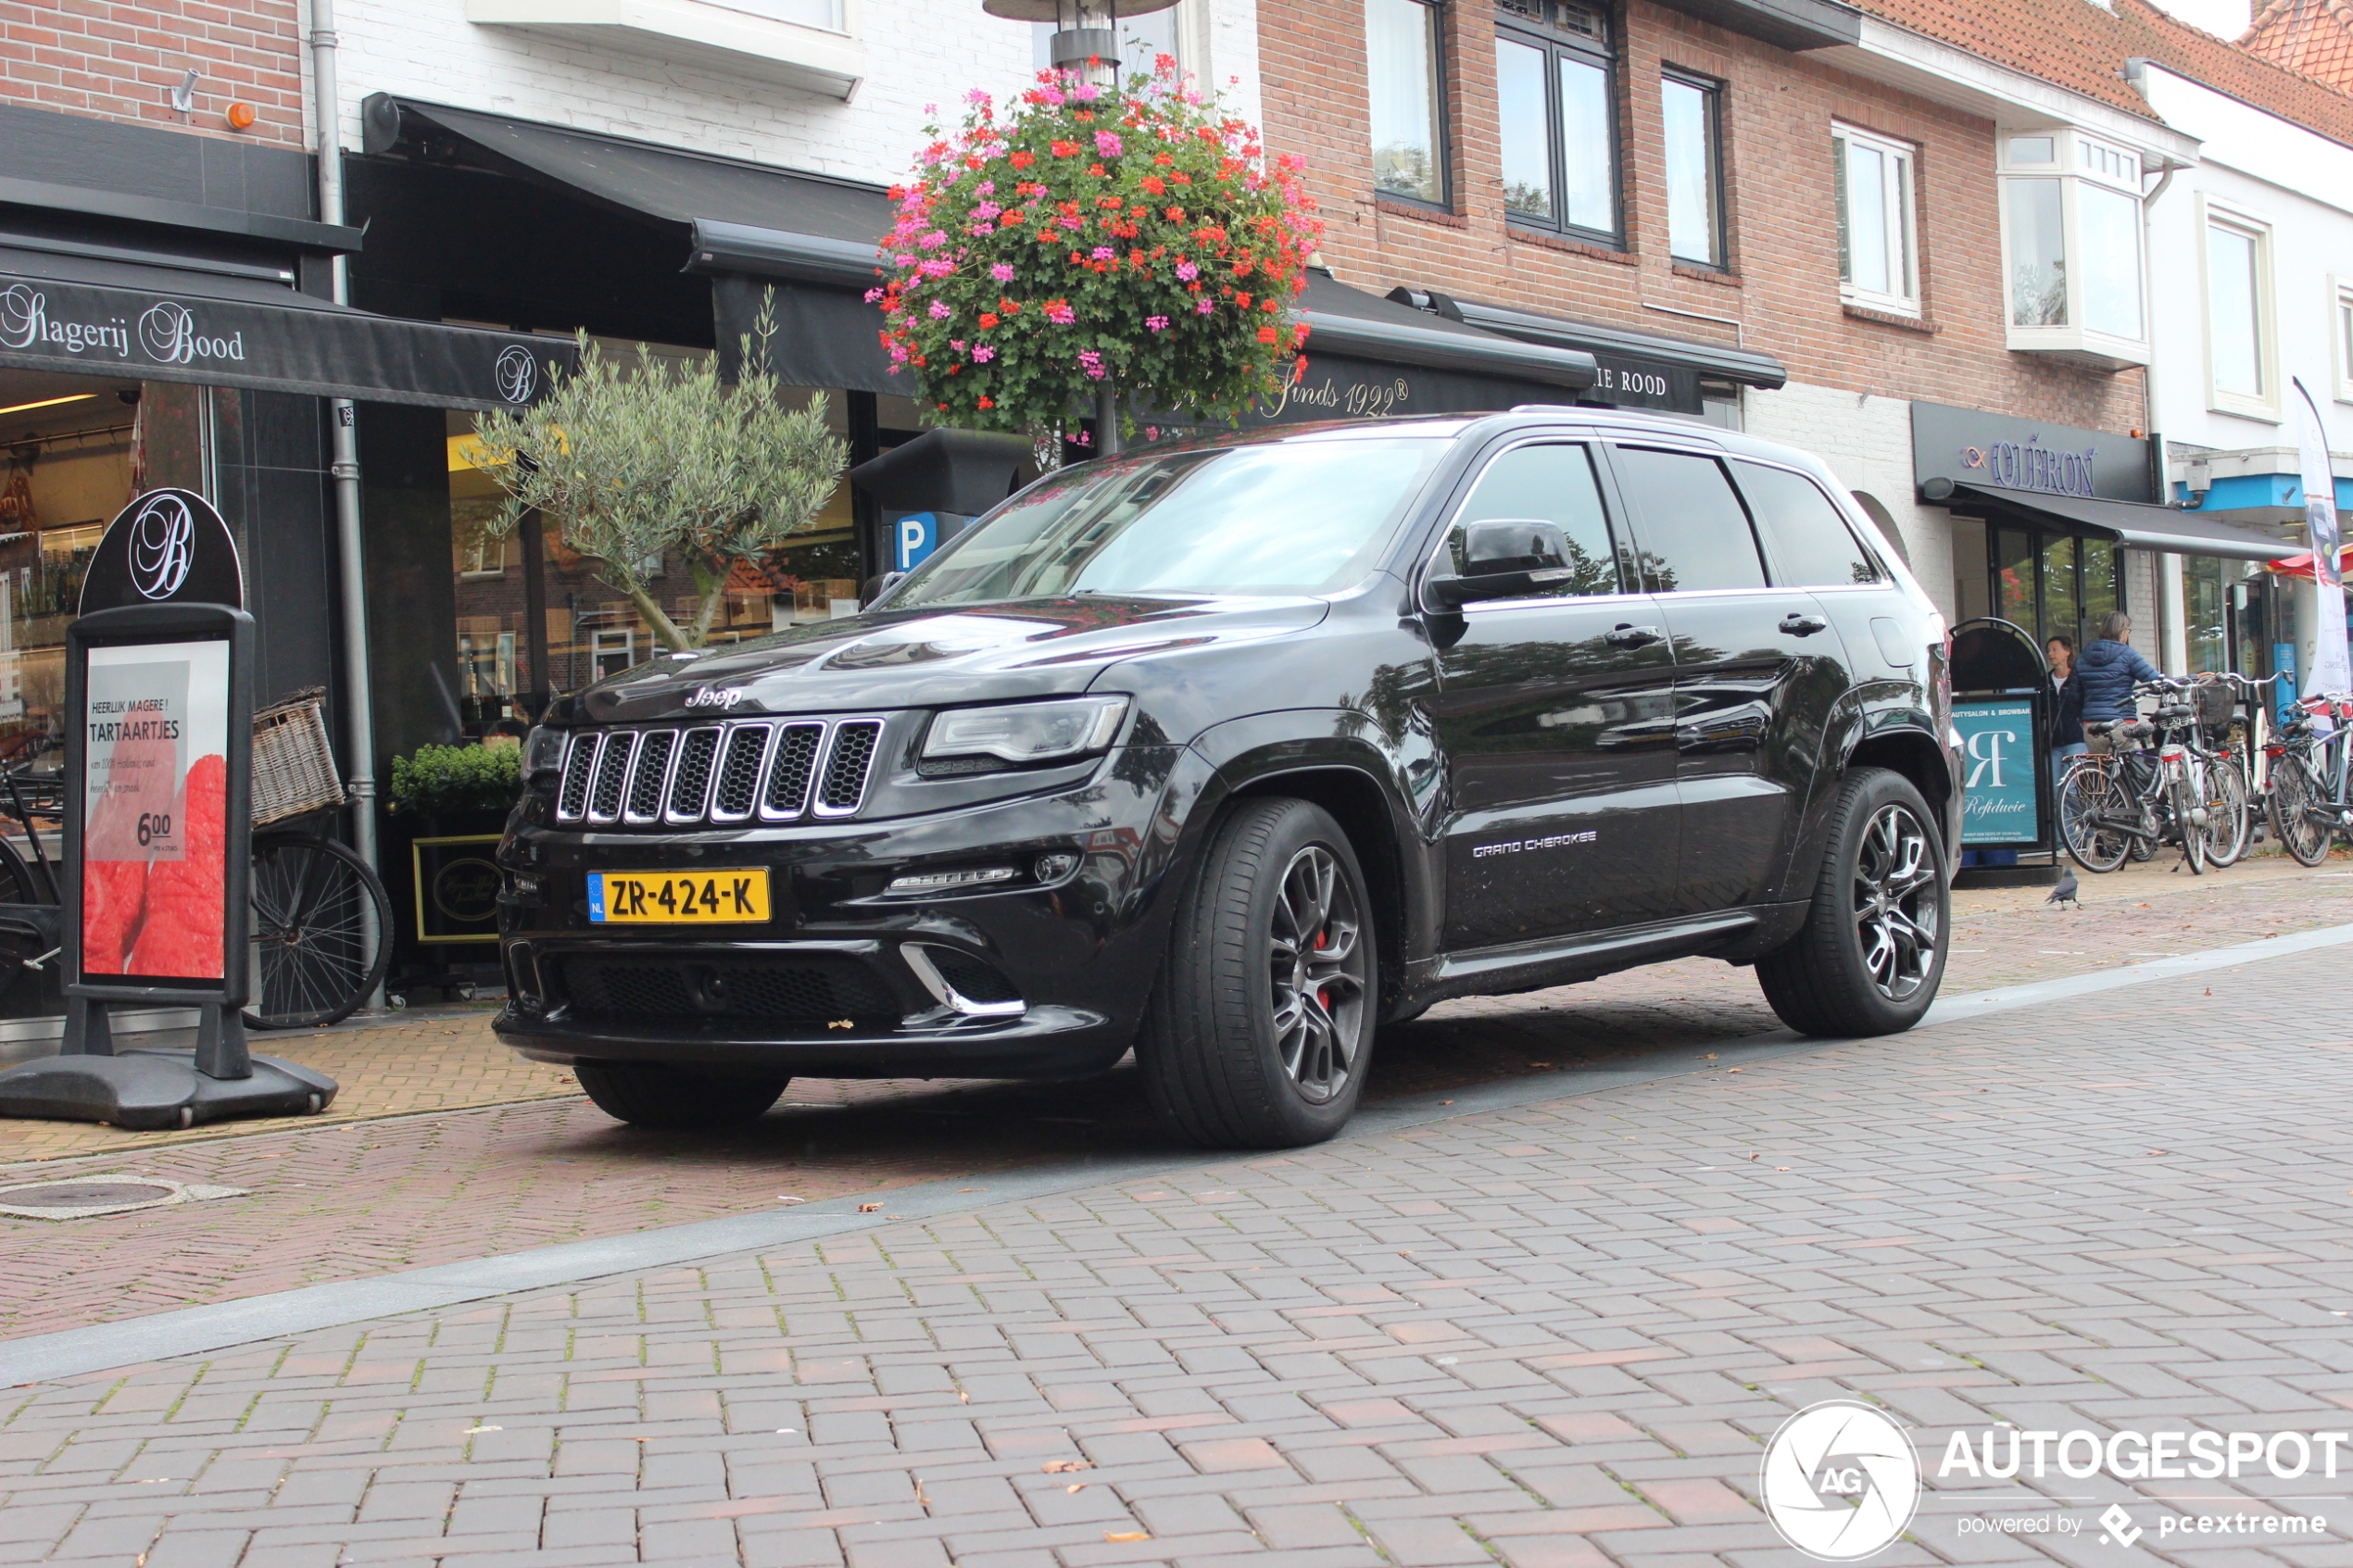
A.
pixel 438 872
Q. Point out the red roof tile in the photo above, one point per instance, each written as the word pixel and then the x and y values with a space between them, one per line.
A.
pixel 2312 38
pixel 2081 46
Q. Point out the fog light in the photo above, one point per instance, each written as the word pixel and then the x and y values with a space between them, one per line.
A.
pixel 524 890
pixel 1054 868
pixel 946 882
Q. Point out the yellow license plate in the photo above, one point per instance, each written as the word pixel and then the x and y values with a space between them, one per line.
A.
pixel 678 898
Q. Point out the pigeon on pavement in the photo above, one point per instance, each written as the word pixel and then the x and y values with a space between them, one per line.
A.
pixel 2065 892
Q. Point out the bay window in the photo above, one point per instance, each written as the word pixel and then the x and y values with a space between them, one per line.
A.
pixel 2071 260
pixel 1407 100
pixel 2242 357
pixel 1877 255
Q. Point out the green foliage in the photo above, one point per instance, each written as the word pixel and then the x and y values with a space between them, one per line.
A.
pixel 632 464
pixel 1096 237
pixel 442 780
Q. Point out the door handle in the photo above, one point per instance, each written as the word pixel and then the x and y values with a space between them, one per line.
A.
pixel 1798 625
pixel 1626 635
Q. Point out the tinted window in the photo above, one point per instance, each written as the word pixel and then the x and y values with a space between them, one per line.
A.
pixel 1808 542
pixel 1693 531
pixel 1556 484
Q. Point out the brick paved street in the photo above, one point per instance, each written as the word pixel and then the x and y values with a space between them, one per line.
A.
pixel 406 1190
pixel 1551 1335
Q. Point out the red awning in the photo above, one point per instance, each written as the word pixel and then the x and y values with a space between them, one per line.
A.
pixel 2301 566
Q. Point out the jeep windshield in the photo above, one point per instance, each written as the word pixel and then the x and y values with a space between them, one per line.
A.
pixel 1306 515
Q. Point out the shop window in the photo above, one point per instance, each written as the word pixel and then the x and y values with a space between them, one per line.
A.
pixel 1878 248
pixel 1557 120
pixel 2053 584
pixel 2215 601
pixel 2072 243
pixel 2241 362
pixel 1402 55
pixel 1694 164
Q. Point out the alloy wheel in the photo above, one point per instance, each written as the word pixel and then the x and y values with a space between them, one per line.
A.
pixel 1317 964
pixel 1895 904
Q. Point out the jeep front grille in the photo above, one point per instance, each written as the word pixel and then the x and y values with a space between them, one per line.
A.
pixel 773 771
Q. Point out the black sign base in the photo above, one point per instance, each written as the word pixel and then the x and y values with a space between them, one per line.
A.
pixel 145 1089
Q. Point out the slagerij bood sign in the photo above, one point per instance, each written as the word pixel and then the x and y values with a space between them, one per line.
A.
pixel 1999 801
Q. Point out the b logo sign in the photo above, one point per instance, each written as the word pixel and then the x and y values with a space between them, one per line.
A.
pixel 518 373
pixel 163 534
pixel 1840 1480
pixel 166 546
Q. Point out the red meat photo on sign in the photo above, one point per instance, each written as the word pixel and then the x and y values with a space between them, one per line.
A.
pixel 154 806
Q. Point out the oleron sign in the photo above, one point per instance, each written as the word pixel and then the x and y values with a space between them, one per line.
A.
pixel 166 546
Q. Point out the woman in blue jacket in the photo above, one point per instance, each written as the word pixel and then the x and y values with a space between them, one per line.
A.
pixel 2109 669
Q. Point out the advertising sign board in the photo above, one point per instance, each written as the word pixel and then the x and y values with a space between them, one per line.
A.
pixel 2000 797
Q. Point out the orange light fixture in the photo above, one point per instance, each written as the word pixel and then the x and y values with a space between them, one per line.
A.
pixel 48 403
pixel 240 116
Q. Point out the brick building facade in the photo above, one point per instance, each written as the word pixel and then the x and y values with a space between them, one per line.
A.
pixel 123 60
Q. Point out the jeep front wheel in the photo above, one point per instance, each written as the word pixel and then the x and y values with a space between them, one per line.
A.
pixel 1872 953
pixel 1260 1030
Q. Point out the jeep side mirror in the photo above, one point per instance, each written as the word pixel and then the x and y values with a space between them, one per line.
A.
pixel 1502 558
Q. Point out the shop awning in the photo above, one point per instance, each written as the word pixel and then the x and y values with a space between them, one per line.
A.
pixel 1633 369
pixel 87 315
pixel 808 241
pixel 2129 523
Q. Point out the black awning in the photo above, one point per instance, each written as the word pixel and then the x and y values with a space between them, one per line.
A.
pixel 2128 522
pixel 86 315
pixel 1365 326
pixel 1634 369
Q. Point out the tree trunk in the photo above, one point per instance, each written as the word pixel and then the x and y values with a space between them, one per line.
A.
pixel 665 630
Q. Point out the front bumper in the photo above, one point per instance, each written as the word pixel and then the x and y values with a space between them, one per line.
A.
pixel 1042 977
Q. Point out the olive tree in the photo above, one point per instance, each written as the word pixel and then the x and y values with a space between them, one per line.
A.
pixel 634 461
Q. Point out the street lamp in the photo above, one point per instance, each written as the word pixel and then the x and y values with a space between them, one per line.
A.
pixel 1088 30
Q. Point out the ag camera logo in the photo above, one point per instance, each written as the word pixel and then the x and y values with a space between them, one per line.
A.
pixel 1840 1480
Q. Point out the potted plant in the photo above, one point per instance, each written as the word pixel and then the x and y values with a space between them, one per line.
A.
pixel 446 811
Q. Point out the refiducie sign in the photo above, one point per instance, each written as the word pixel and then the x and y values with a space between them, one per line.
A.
pixel 1972 446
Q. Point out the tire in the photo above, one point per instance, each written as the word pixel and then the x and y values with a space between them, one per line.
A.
pixel 2227 819
pixel 1260 1029
pixel 2295 792
pixel 2086 796
pixel 306 926
pixel 1872 953
pixel 648 1093
pixel 2185 797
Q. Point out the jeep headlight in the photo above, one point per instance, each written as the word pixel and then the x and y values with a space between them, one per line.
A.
pixel 543 750
pixel 1027 732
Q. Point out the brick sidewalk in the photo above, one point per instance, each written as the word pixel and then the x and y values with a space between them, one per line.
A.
pixel 1554 1335
pixel 341 1202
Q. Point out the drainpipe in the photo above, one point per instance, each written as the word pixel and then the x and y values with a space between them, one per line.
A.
pixel 360 752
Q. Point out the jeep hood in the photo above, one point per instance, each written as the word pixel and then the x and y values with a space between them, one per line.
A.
pixel 923 657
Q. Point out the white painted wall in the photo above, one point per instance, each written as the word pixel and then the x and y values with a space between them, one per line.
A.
pixel 1867 442
pixel 2300 182
pixel 919 53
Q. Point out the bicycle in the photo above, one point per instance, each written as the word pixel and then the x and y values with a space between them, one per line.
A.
pixel 2154 788
pixel 2308 795
pixel 319 921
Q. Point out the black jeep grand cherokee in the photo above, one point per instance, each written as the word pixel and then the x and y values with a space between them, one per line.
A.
pixel 1230 752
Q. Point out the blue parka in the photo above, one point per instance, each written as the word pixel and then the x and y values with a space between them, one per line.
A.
pixel 2109 669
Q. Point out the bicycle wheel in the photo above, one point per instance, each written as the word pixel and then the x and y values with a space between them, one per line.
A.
pixel 2227 824
pixel 2185 800
pixel 2089 801
pixel 309 903
pixel 2297 816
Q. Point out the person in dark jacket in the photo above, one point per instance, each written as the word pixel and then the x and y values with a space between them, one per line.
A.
pixel 2109 669
pixel 2066 705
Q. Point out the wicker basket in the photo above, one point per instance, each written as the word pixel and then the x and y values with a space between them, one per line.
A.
pixel 294 770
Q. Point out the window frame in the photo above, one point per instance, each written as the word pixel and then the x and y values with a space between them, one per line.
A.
pixel 1632 507
pixel 1442 155
pixel 1552 44
pixel 1901 203
pixel 2078 161
pixel 2215 214
pixel 1711 90
pixel 2341 333
pixel 1435 561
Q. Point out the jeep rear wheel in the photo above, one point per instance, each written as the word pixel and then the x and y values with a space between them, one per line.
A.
pixel 1261 1027
pixel 648 1093
pixel 1872 953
